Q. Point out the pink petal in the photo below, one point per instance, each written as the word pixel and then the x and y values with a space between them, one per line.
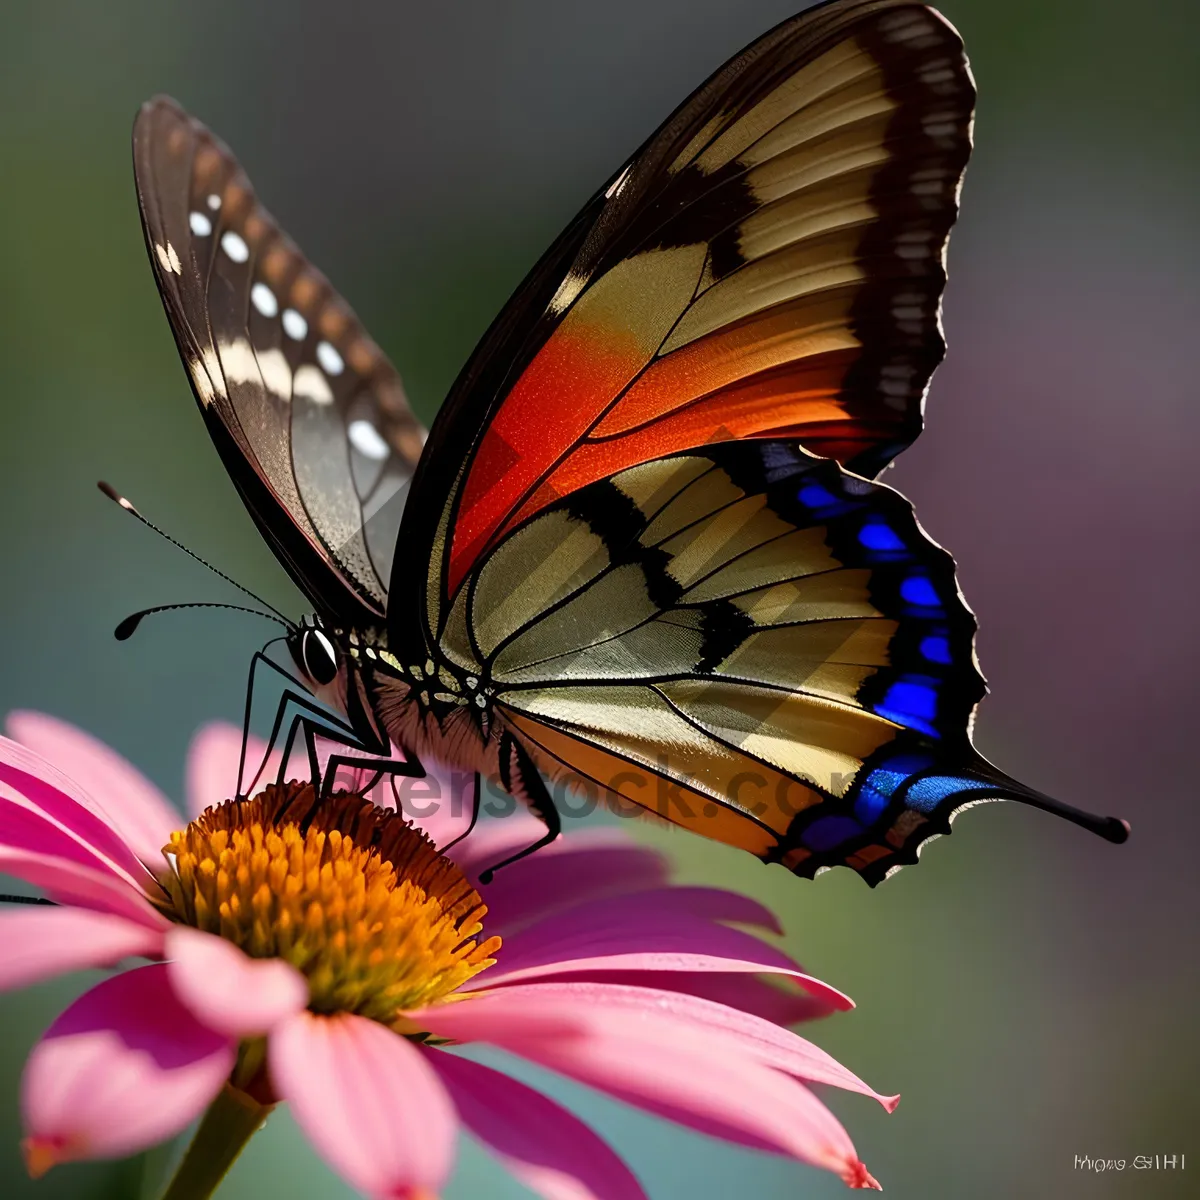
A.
pixel 550 1151
pixel 44 811
pixel 368 1100
pixel 123 1068
pixel 71 883
pixel 26 826
pixel 226 989
pixel 573 870
pixel 782 1005
pixel 136 808
pixel 212 765
pixel 773 1046
pixel 602 937
pixel 646 1057
pixel 40 943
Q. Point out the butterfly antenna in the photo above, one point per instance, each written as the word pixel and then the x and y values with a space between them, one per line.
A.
pixel 120 500
pixel 126 628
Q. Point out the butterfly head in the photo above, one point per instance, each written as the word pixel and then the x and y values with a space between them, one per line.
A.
pixel 320 659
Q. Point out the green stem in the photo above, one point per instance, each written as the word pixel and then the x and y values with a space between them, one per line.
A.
pixel 232 1120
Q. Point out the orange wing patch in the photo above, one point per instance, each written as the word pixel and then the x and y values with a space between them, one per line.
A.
pixel 601 344
pixel 758 824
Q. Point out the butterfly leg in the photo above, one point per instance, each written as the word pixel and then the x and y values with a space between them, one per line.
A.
pixel 475 807
pixel 371 760
pixel 289 695
pixel 308 712
pixel 521 779
pixel 392 767
pixel 306 721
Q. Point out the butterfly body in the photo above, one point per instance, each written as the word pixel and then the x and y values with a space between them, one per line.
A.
pixel 434 706
pixel 641 552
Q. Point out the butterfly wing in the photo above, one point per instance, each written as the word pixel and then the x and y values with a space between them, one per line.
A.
pixel 748 641
pixel 770 264
pixel 309 416
pixel 672 600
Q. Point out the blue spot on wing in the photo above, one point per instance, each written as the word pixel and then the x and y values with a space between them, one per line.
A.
pixel 936 648
pixel 912 702
pixel 813 495
pixel 870 803
pixel 886 780
pixel 824 504
pixel 926 794
pixel 879 787
pixel 875 535
pixel 827 832
pixel 918 591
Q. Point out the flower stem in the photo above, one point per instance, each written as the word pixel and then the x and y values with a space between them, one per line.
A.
pixel 232 1119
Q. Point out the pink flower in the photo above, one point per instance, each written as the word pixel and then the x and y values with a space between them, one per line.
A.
pixel 334 960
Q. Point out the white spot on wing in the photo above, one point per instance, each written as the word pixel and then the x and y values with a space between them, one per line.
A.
pixel 214 201
pixel 937 71
pixel 235 246
pixel 310 384
pixel 364 437
pixel 168 258
pixel 238 362
pixel 264 300
pixel 294 325
pixel 910 27
pixel 330 359
pixel 929 181
pixel 203 372
pixel 276 373
pixel 200 224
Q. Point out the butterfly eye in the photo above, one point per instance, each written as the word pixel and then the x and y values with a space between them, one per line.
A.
pixel 319 657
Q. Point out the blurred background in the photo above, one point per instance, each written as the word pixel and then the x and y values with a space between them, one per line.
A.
pixel 1030 990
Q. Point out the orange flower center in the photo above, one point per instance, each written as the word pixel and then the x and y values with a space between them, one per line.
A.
pixel 351 895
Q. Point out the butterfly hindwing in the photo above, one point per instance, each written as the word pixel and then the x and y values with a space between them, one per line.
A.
pixel 309 415
pixel 748 641
pixel 770 264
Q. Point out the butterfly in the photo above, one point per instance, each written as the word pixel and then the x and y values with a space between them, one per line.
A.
pixel 641 552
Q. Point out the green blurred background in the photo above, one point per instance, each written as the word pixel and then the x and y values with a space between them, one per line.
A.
pixel 1030 990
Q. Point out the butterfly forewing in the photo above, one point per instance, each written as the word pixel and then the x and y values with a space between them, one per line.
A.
pixel 309 414
pixel 769 265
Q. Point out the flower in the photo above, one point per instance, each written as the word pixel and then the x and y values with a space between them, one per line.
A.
pixel 331 958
